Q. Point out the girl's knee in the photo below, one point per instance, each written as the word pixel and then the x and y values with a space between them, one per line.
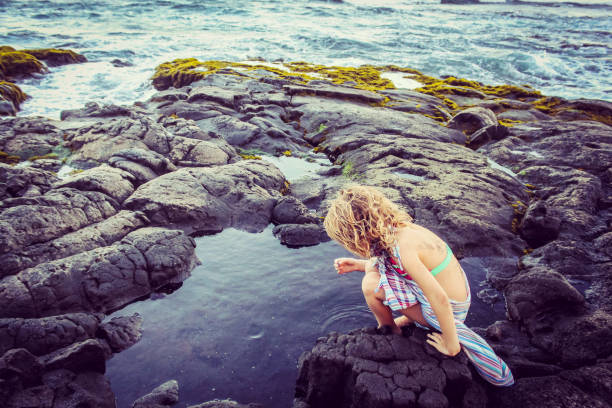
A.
pixel 369 284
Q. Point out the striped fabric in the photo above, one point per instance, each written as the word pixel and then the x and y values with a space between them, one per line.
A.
pixel 401 293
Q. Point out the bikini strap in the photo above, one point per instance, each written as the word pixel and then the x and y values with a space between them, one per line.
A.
pixel 445 262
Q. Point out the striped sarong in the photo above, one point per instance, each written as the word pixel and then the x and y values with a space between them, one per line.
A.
pixel 402 293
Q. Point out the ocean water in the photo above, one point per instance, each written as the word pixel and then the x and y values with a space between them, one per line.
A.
pixel 560 48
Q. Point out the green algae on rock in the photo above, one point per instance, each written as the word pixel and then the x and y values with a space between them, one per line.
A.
pixel 55 57
pixel 11 94
pixel 8 158
pixel 16 63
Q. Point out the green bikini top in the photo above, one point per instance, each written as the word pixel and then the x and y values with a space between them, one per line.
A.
pixel 400 270
pixel 445 262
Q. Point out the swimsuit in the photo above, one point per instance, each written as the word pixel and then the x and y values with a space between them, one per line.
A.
pixel 401 292
pixel 400 271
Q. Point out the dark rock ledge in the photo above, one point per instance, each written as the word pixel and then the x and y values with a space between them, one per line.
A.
pixel 147 175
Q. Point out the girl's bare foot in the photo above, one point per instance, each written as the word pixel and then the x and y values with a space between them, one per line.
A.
pixel 346 265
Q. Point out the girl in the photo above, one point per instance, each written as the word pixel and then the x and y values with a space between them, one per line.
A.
pixel 417 272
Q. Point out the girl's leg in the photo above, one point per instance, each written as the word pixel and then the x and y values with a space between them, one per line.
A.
pixel 375 301
pixel 411 315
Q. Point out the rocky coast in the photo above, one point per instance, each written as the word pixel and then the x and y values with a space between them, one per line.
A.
pixel 98 210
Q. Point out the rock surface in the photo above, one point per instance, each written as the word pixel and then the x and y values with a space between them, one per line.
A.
pixel 365 369
pixel 166 395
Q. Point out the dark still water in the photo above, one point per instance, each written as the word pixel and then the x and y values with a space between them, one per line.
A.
pixel 237 326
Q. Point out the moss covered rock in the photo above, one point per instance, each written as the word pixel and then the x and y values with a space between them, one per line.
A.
pixel 17 63
pixel 54 57
pixel 10 98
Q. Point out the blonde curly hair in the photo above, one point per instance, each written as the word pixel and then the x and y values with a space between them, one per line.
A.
pixel 364 221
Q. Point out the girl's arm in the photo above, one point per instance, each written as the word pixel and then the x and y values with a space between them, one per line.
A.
pixel 437 298
pixel 346 265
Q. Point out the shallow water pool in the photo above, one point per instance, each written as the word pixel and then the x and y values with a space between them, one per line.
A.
pixel 237 326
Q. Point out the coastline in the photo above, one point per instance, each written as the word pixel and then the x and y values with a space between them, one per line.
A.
pixel 185 160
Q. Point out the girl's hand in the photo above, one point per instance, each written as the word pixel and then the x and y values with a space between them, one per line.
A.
pixel 346 265
pixel 437 341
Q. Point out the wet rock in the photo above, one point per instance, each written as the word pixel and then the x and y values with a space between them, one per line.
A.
pixel 546 392
pixel 576 340
pixel 27 221
pixel 88 355
pixel 297 235
pixel 95 110
pixel 540 291
pixel 379 371
pixel 290 210
pixel 529 115
pixel 412 101
pixel 47 334
pixel 97 142
pixel 143 165
pixel 172 94
pixel 19 63
pixel 29 136
pixel 574 259
pixel 113 182
pixel 573 196
pixel 242 194
pixel 24 181
pixel 122 332
pixel 40 396
pixel 120 64
pixel 85 389
pixel 102 279
pixel 515 347
pixel 165 395
pixel 224 97
pixel 330 90
pixel 11 96
pixel 595 380
pixel 472 119
pixel 55 57
pixel 103 233
pixel 486 134
pixel 538 227
pixel 554 143
pixel 20 363
pixel 51 165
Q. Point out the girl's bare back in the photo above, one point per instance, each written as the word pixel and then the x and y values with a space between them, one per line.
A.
pixel 431 250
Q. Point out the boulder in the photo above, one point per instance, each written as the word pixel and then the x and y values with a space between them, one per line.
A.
pixel 165 395
pixel 26 221
pixel 242 195
pixel 24 181
pixel 85 389
pixel 102 279
pixel 47 334
pixel 546 392
pixel 366 369
pixel 121 332
pixel 88 355
pixel 29 136
pixel 298 235
pixel 103 233
pixel 113 182
pixel 20 363
pixel 538 292
pixel 473 119
pixel 290 210
pixel 554 143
